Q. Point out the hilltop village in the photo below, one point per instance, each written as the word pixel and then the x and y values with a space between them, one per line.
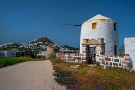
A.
pixel 37 47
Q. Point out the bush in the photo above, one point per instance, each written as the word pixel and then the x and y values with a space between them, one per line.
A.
pixel 10 61
pixel 18 54
pixel 52 56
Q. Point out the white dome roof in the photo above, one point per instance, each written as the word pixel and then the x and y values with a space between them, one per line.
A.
pixel 99 17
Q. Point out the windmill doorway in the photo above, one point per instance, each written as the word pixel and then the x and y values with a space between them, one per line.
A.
pixel 91 47
pixel 92 55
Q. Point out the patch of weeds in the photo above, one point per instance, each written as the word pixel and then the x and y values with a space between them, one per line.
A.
pixel 98 88
pixel 114 86
pixel 65 78
pixel 74 87
pixel 114 76
pixel 84 65
pixel 83 72
pixel 111 76
pixel 62 74
pixel 55 68
pixel 58 61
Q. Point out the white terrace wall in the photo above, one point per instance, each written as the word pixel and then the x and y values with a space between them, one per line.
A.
pixel 130 49
pixel 111 61
pixel 105 61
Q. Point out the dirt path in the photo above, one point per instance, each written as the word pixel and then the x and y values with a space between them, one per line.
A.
pixel 32 75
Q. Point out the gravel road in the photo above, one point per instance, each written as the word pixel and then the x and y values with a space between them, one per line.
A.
pixel 32 75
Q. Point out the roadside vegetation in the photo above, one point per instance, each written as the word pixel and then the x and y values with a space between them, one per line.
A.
pixel 11 61
pixel 92 78
pixel 21 56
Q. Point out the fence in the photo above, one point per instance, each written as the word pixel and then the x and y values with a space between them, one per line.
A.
pixel 105 61
pixel 111 61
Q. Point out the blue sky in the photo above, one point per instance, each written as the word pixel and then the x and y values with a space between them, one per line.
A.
pixel 26 20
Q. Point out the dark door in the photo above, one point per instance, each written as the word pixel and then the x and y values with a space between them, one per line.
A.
pixel 92 55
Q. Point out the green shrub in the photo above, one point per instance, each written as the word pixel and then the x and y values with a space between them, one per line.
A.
pixel 84 65
pixel 52 56
pixel 10 61
pixel 83 72
pixel 18 54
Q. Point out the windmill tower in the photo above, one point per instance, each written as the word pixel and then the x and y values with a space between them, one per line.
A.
pixel 101 27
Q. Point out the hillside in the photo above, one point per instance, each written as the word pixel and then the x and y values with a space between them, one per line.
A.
pixel 47 41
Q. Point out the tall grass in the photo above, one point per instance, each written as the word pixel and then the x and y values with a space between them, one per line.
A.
pixel 10 61
pixel 97 78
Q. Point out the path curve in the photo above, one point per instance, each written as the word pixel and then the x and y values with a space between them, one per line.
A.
pixel 32 75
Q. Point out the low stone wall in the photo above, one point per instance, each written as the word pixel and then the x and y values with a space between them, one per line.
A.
pixel 105 61
pixel 111 61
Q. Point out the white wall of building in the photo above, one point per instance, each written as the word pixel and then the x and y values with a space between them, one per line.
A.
pixel 2 53
pixel 7 53
pixel 42 53
pixel 104 30
pixel 11 54
pixel 130 49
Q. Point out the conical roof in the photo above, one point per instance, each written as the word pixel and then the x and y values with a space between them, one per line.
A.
pixel 99 17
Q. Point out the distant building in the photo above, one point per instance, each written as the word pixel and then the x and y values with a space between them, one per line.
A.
pixel 42 54
pixel 50 50
pixel 4 53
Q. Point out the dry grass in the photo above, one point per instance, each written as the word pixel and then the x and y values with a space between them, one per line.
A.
pixel 97 78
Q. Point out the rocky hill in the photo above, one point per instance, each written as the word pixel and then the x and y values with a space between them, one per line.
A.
pixel 47 42
pixel 43 40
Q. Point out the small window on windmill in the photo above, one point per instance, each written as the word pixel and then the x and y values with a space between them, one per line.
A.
pixel 103 20
pixel 115 26
pixel 94 25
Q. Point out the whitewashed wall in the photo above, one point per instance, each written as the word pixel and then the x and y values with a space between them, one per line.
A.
pixel 104 30
pixel 130 49
pixel 7 53
pixel 10 53
pixel 2 53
